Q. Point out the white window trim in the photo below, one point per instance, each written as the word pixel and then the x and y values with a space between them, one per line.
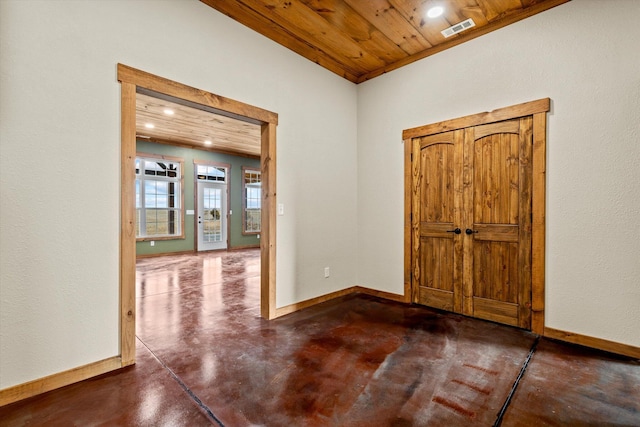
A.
pixel 179 180
pixel 245 170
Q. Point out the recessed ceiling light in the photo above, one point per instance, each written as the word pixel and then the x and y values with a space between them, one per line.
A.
pixel 207 142
pixel 149 125
pixel 435 11
pixel 168 111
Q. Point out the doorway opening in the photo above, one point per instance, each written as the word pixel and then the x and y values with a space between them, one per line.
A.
pixel 134 81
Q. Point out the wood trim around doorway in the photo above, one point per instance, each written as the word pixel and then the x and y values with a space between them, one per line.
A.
pixel 538 109
pixel 131 81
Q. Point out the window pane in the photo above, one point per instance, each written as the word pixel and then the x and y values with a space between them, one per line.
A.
pixel 156 223
pixel 218 174
pixel 212 220
pixel 253 198
pixel 252 220
pixel 211 173
pixel 138 194
pixel 162 192
pixel 158 197
pixel 156 194
pixel 212 198
pixel 252 202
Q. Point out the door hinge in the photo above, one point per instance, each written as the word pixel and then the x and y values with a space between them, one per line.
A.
pixel 412 157
pixel 411 217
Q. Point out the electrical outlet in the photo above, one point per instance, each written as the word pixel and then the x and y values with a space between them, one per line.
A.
pixel 326 272
pixel 152 243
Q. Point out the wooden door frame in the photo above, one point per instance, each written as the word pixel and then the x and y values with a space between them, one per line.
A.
pixel 131 80
pixel 538 110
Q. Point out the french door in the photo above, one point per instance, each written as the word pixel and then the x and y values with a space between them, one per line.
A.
pixel 212 216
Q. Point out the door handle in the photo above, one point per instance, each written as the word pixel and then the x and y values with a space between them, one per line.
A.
pixel 470 231
pixel 456 230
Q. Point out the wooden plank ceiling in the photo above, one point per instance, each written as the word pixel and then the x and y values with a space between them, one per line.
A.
pixel 362 39
pixel 192 127
pixel 356 39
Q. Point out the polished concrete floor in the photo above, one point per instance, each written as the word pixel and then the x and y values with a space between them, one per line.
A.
pixel 206 358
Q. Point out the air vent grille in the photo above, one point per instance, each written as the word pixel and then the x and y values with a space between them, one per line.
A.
pixel 455 29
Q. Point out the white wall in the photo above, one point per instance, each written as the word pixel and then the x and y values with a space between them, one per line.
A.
pixel 60 166
pixel 585 56
pixel 60 113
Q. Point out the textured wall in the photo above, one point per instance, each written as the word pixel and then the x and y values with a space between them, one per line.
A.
pixel 341 184
pixel 60 145
pixel 591 71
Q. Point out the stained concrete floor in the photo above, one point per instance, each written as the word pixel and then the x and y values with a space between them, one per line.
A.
pixel 206 358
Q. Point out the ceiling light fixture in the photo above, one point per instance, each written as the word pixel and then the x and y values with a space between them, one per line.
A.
pixel 435 11
pixel 207 142
pixel 168 111
pixel 149 125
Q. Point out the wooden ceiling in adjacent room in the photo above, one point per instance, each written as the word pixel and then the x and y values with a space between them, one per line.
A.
pixel 362 39
pixel 167 122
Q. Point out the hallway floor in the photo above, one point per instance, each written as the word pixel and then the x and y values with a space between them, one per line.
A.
pixel 205 357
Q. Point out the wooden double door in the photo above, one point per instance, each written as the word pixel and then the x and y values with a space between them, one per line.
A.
pixel 471 219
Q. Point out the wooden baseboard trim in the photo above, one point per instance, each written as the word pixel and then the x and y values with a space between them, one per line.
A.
pixel 383 294
pixel 193 252
pixel 165 254
pixel 597 343
pixel 282 311
pixel 61 379
pixel 241 247
pixel 288 309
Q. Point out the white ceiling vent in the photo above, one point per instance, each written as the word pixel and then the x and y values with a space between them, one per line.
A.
pixel 455 29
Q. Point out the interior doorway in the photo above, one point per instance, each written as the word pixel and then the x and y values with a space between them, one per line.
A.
pixel 134 81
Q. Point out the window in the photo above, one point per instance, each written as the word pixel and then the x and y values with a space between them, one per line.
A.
pixel 252 200
pixel 211 173
pixel 158 197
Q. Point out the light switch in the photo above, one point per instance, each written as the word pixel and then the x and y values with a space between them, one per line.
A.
pixel 280 208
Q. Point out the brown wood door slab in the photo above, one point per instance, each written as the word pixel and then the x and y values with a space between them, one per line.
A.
pixel 437 217
pixel 497 208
